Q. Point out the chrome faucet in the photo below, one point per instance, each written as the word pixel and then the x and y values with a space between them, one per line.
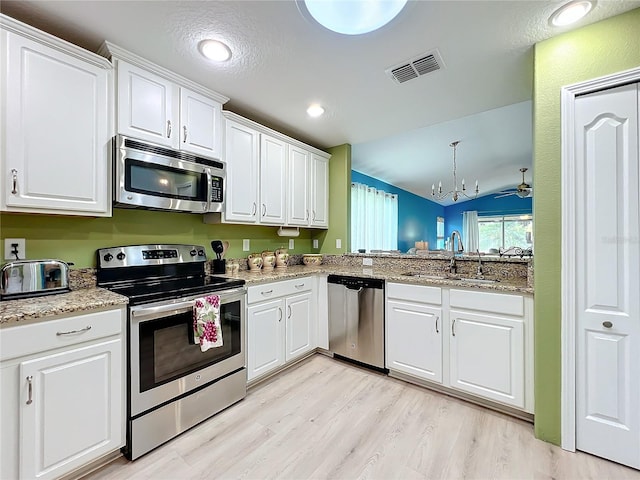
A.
pixel 480 270
pixel 453 268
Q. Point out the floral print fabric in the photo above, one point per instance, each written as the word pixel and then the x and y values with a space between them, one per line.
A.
pixel 207 331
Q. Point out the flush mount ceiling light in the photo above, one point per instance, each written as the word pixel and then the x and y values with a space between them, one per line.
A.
pixel 315 110
pixel 214 50
pixel 354 17
pixel 571 12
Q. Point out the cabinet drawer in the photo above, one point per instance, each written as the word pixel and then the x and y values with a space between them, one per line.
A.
pixel 266 291
pixel 24 340
pixel 415 293
pixel 488 302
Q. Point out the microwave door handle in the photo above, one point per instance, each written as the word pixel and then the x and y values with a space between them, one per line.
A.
pixel 208 190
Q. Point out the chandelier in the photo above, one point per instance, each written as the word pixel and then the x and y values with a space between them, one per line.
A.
pixel 455 193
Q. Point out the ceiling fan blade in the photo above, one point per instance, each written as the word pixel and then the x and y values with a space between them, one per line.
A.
pixel 505 195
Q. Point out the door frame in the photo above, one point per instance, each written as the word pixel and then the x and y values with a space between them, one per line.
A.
pixel 568 96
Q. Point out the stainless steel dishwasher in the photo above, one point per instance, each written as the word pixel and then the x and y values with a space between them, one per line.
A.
pixel 356 319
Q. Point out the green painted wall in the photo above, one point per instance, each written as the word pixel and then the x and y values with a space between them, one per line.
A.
pixel 339 201
pixel 76 239
pixel 596 50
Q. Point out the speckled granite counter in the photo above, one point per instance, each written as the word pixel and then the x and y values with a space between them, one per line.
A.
pixel 12 312
pixel 514 285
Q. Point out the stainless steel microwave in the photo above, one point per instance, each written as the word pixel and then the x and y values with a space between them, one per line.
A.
pixel 158 178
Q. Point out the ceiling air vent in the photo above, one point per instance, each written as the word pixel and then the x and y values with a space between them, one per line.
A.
pixel 420 65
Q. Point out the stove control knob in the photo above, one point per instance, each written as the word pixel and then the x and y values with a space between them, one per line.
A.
pixel 120 256
pixel 108 257
pixel 193 252
pixel 201 253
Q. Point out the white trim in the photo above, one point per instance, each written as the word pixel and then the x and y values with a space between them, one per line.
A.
pixel 114 52
pixel 568 325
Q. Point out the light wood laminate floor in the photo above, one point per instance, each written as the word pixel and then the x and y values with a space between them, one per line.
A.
pixel 325 419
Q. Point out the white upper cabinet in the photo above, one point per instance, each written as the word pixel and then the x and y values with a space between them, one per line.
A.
pixel 147 106
pixel 200 124
pixel 162 107
pixel 299 179
pixel 273 175
pixel 319 191
pixel 56 125
pixel 242 158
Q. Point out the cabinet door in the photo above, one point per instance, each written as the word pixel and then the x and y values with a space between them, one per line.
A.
pixel 301 327
pixel 70 409
pixel 200 124
pixel 414 339
pixel 56 130
pixel 265 338
pixel 487 356
pixel 319 191
pixel 147 106
pixel 241 155
pixel 273 174
pixel 298 203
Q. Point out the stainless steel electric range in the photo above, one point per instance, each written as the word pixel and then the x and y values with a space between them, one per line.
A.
pixel 172 384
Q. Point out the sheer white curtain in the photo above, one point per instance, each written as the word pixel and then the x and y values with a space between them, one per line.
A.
pixel 374 219
pixel 470 233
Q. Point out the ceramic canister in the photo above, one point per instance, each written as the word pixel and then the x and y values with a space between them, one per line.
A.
pixel 255 262
pixel 268 260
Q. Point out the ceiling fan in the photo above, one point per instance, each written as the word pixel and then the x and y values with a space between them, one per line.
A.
pixel 523 190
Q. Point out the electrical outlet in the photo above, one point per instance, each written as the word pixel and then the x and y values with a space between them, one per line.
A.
pixel 246 245
pixel 315 243
pixel 10 251
pixel 338 243
pixel 291 244
pixel 367 262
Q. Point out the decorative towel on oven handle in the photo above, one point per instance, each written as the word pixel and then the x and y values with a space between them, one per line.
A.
pixel 207 331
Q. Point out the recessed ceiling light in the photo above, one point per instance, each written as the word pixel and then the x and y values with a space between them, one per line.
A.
pixel 571 12
pixel 214 50
pixel 354 17
pixel 315 110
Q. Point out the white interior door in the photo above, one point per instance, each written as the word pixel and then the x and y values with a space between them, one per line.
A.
pixel 607 280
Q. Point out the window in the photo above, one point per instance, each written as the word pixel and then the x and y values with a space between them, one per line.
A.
pixel 505 231
pixel 440 233
pixel 374 219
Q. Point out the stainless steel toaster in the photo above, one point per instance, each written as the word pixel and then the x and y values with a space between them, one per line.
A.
pixel 31 278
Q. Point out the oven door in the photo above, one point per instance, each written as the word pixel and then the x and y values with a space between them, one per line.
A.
pixel 164 361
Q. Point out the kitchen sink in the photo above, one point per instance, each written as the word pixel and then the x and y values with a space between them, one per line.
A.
pixel 478 280
pixel 426 276
pixel 449 277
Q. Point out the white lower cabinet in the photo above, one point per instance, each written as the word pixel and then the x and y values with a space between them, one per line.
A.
pixel 414 339
pixel 62 407
pixel 477 342
pixel 281 329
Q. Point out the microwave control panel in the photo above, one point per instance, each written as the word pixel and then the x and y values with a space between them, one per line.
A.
pixel 216 189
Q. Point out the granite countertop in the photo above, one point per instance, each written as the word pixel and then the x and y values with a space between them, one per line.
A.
pixel 13 312
pixel 392 275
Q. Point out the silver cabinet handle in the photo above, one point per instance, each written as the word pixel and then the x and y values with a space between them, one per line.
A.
pixel 313 215
pixel 288 311
pixel 14 181
pixel 437 331
pixel 307 217
pixel 71 332
pixel 280 310
pixel 30 380
pixel 184 139
pixel 453 327
pixel 266 292
pixel 254 208
pixel 168 128
pixel 264 209
pixel 300 285
pixel 607 324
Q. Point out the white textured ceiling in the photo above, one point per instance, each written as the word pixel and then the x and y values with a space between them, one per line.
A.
pixel 282 61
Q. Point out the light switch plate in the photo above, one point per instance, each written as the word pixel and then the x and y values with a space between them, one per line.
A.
pixel 315 243
pixel 246 245
pixel 338 243
pixel 291 244
pixel 22 250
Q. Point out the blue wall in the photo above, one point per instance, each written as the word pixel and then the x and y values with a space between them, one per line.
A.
pixel 416 215
pixel 487 205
